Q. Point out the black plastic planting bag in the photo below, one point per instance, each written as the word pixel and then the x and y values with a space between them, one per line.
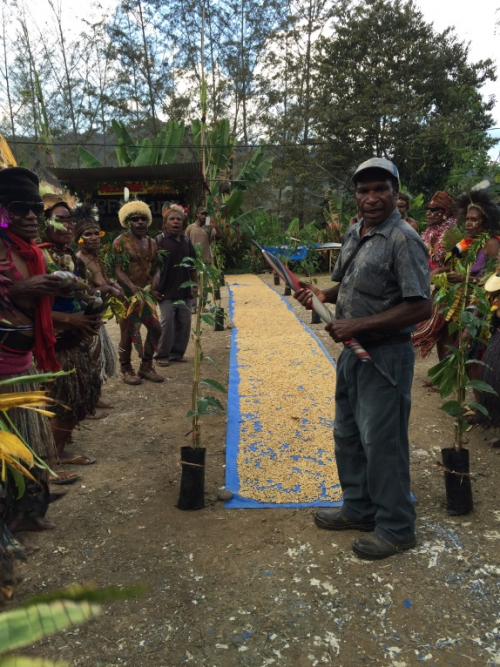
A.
pixel 457 481
pixel 192 492
pixel 219 319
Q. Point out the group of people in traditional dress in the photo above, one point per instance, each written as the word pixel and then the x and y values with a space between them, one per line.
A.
pixel 53 293
pixel 477 248
pixel 54 286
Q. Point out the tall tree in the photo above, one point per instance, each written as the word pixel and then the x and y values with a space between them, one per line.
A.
pixel 388 84
pixel 6 46
pixel 141 50
pixel 286 81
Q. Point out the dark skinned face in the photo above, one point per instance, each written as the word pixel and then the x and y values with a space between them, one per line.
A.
pixel 173 224
pixel 25 226
pixel 402 208
pixel 474 223
pixel 138 224
pixel 376 197
pixel 91 239
pixel 202 218
pixel 58 236
pixel 435 215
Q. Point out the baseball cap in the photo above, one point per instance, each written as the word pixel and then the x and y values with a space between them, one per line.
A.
pixel 201 209
pixel 377 163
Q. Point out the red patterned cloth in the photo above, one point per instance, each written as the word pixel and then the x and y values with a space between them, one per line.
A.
pixel 44 329
pixel 433 239
pixel 441 200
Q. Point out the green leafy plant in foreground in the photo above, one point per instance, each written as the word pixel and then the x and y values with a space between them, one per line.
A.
pixel 208 276
pixel 450 374
pixel 44 615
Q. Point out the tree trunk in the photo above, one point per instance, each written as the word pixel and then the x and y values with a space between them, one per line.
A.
pixel 148 68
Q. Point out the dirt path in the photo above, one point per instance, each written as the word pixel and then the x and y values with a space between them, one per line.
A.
pixel 261 587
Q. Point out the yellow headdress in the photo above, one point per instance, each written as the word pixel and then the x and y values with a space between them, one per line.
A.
pixel 135 207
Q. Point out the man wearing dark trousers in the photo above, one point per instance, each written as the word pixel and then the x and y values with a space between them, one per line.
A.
pixel 383 291
pixel 175 301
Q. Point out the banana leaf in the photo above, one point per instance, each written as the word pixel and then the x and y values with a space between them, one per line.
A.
pixel 247 220
pixel 173 139
pixel 220 147
pixel 89 592
pixel 196 126
pixel 126 150
pixel 254 170
pixel 90 161
pixel 23 627
pixel 233 204
pixel 147 154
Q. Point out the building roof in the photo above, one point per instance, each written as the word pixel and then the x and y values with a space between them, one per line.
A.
pixel 182 171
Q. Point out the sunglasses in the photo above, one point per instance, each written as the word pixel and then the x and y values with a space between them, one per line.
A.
pixel 22 208
pixel 138 218
pixel 433 209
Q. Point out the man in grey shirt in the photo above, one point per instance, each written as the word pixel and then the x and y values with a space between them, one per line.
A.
pixel 383 291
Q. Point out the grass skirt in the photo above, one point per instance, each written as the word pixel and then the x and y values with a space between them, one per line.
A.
pixel 108 358
pixel 491 375
pixel 33 427
pixel 429 332
pixel 79 392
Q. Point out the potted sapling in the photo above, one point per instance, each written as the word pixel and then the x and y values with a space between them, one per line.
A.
pixel 192 489
pixel 452 376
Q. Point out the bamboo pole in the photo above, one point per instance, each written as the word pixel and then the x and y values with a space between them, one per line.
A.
pixel 197 363
pixel 203 100
pixel 460 368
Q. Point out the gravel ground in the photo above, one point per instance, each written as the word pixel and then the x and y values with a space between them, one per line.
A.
pixel 261 587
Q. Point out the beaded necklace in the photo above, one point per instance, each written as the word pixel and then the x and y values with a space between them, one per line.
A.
pixel 433 239
pixel 144 262
pixel 98 261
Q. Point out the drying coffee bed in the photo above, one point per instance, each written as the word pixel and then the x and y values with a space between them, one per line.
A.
pixel 280 449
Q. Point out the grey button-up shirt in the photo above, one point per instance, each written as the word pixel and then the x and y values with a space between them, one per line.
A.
pixel 391 265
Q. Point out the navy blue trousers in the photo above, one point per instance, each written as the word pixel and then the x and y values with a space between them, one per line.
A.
pixel 371 439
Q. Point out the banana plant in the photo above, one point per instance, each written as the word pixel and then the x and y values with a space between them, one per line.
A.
pixel 216 147
pixel 131 153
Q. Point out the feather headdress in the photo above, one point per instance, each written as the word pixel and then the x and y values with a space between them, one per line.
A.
pixel 482 201
pixel 85 216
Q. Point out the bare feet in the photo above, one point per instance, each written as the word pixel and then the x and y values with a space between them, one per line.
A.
pixel 98 415
pixel 104 405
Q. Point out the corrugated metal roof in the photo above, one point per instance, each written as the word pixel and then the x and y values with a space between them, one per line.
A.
pixel 183 171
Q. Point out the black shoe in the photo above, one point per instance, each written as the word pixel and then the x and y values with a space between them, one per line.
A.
pixel 376 547
pixel 335 520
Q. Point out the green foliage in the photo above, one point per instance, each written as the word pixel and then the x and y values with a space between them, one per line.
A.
pixel 208 280
pixel 132 153
pixel 87 159
pixel 410 94
pixel 49 613
pixel 450 374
